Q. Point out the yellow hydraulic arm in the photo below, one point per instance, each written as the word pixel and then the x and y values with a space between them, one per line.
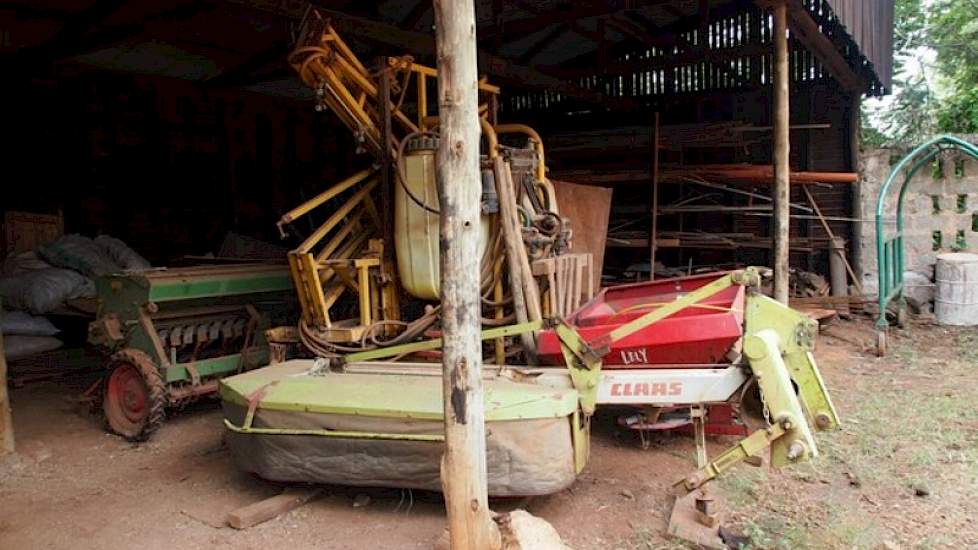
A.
pixel 778 344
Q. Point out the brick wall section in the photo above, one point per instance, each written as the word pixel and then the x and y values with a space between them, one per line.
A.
pixel 940 200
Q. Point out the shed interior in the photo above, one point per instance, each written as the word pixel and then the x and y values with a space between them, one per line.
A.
pixel 171 123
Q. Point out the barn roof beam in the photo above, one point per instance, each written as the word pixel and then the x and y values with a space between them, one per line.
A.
pixel 424 44
pixel 580 10
pixel 806 31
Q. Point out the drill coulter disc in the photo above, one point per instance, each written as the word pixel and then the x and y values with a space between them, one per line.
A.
pixel 135 395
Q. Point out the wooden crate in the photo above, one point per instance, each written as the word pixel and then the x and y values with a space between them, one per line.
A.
pixel 25 231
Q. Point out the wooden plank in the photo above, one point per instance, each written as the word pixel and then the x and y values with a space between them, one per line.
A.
pixel 6 421
pixel 417 13
pixel 782 155
pixel 271 508
pixel 580 265
pixel 417 43
pixel 806 31
pixel 588 208
pixel 513 245
pixel 655 196
pixel 25 231
pixel 832 237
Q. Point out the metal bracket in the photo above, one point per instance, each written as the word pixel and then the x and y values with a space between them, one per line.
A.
pixel 583 364
pixel 748 447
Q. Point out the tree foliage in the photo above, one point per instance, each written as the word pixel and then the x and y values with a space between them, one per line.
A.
pixel 935 73
pixel 953 28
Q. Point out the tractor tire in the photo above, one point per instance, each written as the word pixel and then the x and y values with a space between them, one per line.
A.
pixel 134 398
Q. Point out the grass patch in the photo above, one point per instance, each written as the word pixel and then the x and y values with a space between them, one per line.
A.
pixel 915 422
pixel 644 539
pixel 740 486
pixel 776 533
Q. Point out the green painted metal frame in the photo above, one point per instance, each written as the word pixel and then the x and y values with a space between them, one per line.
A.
pixel 186 291
pixel 889 249
pixel 195 289
pixel 217 366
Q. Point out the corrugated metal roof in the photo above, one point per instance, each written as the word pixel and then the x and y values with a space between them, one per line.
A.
pixel 870 25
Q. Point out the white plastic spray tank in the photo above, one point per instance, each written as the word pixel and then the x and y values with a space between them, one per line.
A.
pixel 416 220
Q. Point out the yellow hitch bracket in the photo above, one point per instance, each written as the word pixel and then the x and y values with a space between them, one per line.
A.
pixel 750 446
pixel 796 335
pixel 583 364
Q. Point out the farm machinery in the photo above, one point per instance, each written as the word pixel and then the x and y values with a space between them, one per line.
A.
pixel 170 334
pixel 366 407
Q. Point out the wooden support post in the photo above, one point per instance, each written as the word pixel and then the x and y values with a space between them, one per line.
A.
pixel 782 149
pixel 653 233
pixel 6 422
pixel 386 158
pixel 463 468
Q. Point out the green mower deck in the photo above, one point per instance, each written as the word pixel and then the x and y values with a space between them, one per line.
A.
pixel 298 421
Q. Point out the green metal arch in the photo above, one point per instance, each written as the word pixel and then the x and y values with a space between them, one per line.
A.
pixel 889 250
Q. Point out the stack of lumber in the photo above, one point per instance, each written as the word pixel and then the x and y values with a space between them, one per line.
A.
pixel 714 241
pixel 751 173
pixel 674 137
pixel 727 173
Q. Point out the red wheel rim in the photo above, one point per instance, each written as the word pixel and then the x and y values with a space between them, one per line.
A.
pixel 127 398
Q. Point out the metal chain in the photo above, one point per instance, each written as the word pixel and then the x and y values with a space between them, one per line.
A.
pixel 765 411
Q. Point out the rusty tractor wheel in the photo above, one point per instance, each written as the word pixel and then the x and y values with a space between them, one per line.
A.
pixel 135 396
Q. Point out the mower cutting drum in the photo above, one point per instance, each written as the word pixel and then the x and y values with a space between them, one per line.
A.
pixel 300 422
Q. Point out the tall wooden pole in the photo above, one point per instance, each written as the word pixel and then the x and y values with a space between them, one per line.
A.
pixel 654 232
pixel 463 470
pixel 782 151
pixel 6 422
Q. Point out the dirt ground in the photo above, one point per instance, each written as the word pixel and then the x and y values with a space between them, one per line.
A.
pixel 901 473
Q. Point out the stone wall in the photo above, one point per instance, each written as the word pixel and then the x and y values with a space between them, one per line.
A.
pixel 940 215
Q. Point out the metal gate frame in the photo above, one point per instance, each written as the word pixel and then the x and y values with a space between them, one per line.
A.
pixel 889 250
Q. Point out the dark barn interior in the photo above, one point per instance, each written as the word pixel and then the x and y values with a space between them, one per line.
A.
pixel 173 123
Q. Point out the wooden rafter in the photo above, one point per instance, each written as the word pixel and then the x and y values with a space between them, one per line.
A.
pixel 805 30
pixel 75 28
pixel 572 26
pixel 581 10
pixel 662 63
pixel 80 38
pixel 668 32
pixel 542 44
pixel 417 13
pixel 700 51
pixel 241 73
pixel 25 12
pixel 582 66
pixel 424 44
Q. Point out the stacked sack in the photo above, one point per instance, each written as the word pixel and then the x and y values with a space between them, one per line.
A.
pixel 25 334
pixel 40 281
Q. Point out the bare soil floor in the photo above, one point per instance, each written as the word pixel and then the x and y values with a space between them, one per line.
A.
pixel 901 473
